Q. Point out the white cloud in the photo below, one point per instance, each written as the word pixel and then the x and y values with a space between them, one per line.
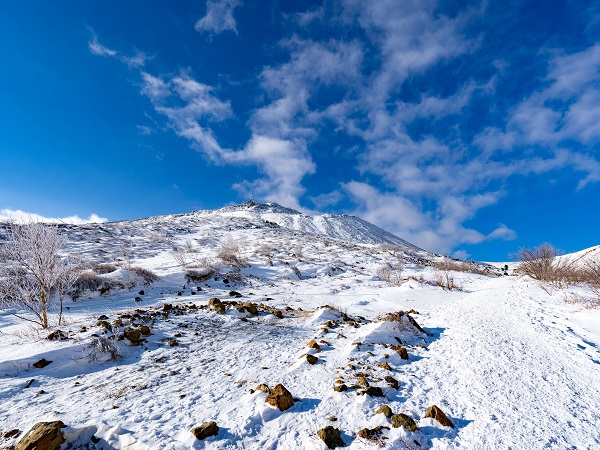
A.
pixel 135 62
pixel 22 216
pixel 503 232
pixel 219 17
pixel 97 48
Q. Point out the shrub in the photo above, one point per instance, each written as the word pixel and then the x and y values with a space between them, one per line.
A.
pixel 445 280
pixel 391 274
pixel 229 253
pixel 148 277
pixel 102 345
pixel 198 276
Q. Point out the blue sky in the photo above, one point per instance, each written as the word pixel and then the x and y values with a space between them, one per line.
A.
pixel 468 128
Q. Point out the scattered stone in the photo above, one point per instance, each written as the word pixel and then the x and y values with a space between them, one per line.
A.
pixel 391 381
pixel 251 308
pixel 145 330
pixel 29 383
pixel 205 430
pixel 340 388
pixel 332 419
pixel 56 335
pixel 372 434
pixel 280 397
pixel 277 313
pixel 132 334
pixel 313 344
pixel 40 392
pixel 167 307
pixel 117 323
pixel 43 435
pixel 331 437
pixel 263 388
pixel 403 353
pixel 12 433
pixel 412 311
pixel 363 382
pixel 172 342
pixel 41 364
pixel 373 391
pixel 325 330
pixel 402 420
pixel 385 410
pixel 234 294
pixel 436 413
pixel 137 299
pixel 311 359
pixel 141 292
pixel 385 366
pixel 103 317
pixel 103 324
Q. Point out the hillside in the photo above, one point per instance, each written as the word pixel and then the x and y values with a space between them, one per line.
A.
pixel 313 304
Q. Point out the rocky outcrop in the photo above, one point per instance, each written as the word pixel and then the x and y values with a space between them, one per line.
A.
pixel 43 435
pixel 205 430
pixel 331 436
pixel 436 413
pixel 402 420
pixel 280 398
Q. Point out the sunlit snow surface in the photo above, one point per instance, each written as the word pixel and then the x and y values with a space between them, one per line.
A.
pixel 512 365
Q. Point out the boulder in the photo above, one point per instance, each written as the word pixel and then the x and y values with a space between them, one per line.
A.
pixel 402 420
pixel 436 413
pixel 56 335
pixel 12 433
pixel 313 344
pixel 251 308
pixel 145 330
pixel 391 381
pixel 331 437
pixel 263 388
pixel 385 366
pixel 132 334
pixel 172 342
pixel 277 313
pixel 41 364
pixel 373 391
pixel 311 359
pixel 205 430
pixel 280 398
pixel 234 294
pixel 340 388
pixel 385 410
pixel 43 435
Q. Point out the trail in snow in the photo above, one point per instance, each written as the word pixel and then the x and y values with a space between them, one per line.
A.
pixel 513 371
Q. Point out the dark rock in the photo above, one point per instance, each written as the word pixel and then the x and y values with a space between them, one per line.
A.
pixel 213 301
pixel 205 430
pixel 103 317
pixel 373 391
pixel 402 420
pixel 340 388
pixel 56 336
pixel 371 434
pixel 145 330
pixel 43 435
pixel 436 413
pixel 311 359
pixel 385 410
pixel 415 324
pixel 117 323
pixel 331 437
pixel 172 342
pixel 220 308
pixel 103 324
pixel 263 388
pixel 280 397
pixel 167 307
pixel 391 381
pixel 41 364
pixel 138 299
pixel 141 292
pixel 234 294
pixel 277 313
pixel 12 433
pixel 132 334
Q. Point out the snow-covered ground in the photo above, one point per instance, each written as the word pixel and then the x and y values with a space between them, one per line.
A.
pixel 511 365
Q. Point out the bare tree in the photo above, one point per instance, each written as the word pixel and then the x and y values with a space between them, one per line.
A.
pixel 33 271
pixel 546 264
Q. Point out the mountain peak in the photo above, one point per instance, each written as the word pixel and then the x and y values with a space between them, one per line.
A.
pixel 251 205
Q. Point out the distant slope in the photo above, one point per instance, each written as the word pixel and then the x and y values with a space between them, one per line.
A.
pixel 345 227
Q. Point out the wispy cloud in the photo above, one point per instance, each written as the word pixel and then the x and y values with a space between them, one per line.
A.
pixel 218 17
pixel 97 48
pixel 22 216
pixel 137 60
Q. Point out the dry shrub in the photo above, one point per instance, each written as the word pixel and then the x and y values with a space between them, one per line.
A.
pixel 445 280
pixel 229 253
pixel 92 282
pixel 148 277
pixel 102 345
pixel 459 266
pixel 391 274
pixel 180 256
pixel 198 276
pixel 102 269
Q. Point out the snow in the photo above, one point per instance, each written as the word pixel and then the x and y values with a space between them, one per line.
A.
pixel 511 365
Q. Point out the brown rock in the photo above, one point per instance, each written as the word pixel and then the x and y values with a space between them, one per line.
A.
pixel 41 364
pixel 436 413
pixel 363 381
pixel 43 435
pixel 373 391
pixel 385 366
pixel 263 388
pixel 331 437
pixel 385 410
pixel 213 301
pixel 402 420
pixel 280 397
pixel 340 388
pixel 313 344
pixel 145 330
pixel 277 313
pixel 205 430
pixel 133 335
pixel 172 342
pixel 391 381
pixel 12 433
pixel 311 359
pixel 251 308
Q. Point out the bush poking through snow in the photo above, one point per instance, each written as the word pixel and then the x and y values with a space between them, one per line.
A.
pixel 229 253
pixel 390 273
pixel 100 346
pixel 445 280
pixel 147 276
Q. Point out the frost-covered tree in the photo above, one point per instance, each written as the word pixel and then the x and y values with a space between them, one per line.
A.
pixel 32 271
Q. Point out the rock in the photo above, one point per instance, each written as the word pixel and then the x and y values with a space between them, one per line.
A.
pixel 363 382
pixel 234 294
pixel 40 365
pixel 385 366
pixel 172 342
pixel 56 335
pixel 43 435
pixel 371 434
pixel 29 383
pixel 141 292
pixel 277 313
pixel 402 420
pixel 280 397
pixel 436 413
pixel 103 317
pixel 220 308
pixel 117 323
pixel 137 299
pixel 145 330
pixel 263 388
pixel 311 359
pixel 391 381
pixel 12 433
pixel 313 344
pixel 167 307
pixel 213 301
pixel 331 437
pixel 103 324
pixel 132 334
pixel 385 410
pixel 401 351
pixel 340 388
pixel 373 391
pixel 251 308
pixel 415 324
pixel 205 430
